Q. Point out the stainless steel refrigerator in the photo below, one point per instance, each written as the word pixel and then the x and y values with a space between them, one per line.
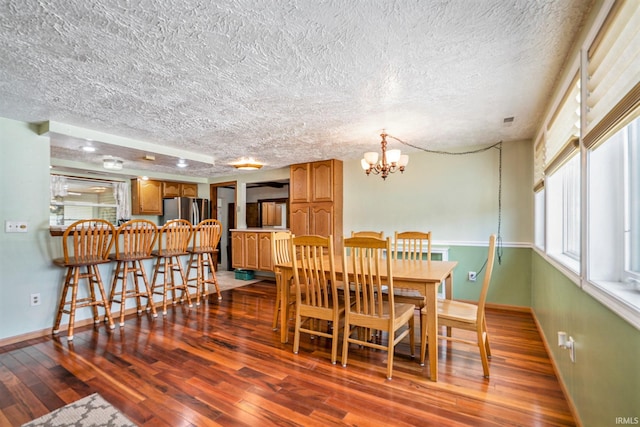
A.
pixel 189 208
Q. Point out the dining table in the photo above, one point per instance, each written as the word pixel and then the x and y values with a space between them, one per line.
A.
pixel 421 275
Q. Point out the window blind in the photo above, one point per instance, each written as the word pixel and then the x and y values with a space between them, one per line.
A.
pixel 614 72
pixel 563 130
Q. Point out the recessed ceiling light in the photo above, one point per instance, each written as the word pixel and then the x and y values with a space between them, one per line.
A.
pixel 181 163
pixel 88 148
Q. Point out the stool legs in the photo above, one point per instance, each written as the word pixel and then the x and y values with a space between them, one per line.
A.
pixel 167 266
pixel 122 271
pixel 71 283
pixel 202 261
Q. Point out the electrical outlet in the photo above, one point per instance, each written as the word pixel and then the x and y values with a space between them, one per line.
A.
pixel 472 276
pixel 35 299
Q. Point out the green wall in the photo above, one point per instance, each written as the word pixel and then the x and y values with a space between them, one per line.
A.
pixel 604 381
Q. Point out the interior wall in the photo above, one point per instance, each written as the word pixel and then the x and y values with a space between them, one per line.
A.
pixel 604 381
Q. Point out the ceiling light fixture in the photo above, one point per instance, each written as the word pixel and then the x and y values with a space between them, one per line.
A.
pixel 112 163
pixel 247 164
pixel 182 163
pixel 89 148
pixel 391 161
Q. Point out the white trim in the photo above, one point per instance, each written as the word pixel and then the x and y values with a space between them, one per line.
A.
pixel 620 307
pixel 482 243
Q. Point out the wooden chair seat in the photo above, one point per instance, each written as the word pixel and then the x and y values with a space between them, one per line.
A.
pixel 457 311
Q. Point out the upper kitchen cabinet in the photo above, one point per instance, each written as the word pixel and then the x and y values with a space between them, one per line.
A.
pixel 146 197
pixel 314 182
pixel 316 199
pixel 179 189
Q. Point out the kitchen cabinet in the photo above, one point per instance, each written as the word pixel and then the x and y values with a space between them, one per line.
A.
pixel 251 250
pixel 271 214
pixel 316 199
pixel 179 189
pixel 146 197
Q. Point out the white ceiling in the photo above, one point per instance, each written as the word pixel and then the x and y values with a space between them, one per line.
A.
pixel 283 81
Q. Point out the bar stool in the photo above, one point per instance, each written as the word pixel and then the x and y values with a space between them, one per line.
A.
pixel 134 242
pixel 173 241
pixel 86 245
pixel 204 254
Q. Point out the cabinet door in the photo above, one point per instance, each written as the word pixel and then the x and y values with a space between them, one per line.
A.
pixel 322 219
pixel 146 197
pixel 322 181
pixel 189 190
pixel 264 252
pixel 299 183
pixel 300 219
pixel 251 251
pixel 237 250
pixel 170 189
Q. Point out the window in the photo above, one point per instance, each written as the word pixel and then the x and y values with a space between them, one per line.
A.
pixel 563 220
pixel 73 199
pixel 614 216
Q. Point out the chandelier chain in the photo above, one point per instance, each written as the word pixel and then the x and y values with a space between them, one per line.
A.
pixel 498 146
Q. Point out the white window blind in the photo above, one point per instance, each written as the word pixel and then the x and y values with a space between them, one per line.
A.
pixel 538 164
pixel 614 72
pixel 563 130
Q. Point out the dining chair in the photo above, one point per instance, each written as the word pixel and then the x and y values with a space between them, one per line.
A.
pixel 173 241
pixel 411 245
pixel 366 308
pixel 467 316
pixel 314 277
pixel 376 234
pixel 280 245
pixel 203 256
pixel 86 245
pixel 134 241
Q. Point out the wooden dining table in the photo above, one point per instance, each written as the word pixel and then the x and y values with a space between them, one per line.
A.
pixel 421 275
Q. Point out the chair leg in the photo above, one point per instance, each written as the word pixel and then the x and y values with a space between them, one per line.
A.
pixel 277 308
pixel 296 335
pixel 486 338
pixel 412 339
pixel 483 352
pixel 211 262
pixel 104 302
pixel 423 337
pixel 63 299
pixel 334 340
pixel 74 296
pixel 150 305
pixel 345 343
pixel 390 347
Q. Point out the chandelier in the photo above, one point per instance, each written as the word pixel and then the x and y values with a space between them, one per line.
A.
pixel 391 161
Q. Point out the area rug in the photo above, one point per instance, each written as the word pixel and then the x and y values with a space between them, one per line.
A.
pixel 227 280
pixel 92 410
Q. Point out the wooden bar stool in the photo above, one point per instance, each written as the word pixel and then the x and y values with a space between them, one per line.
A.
pixel 173 241
pixel 86 245
pixel 134 242
pixel 204 254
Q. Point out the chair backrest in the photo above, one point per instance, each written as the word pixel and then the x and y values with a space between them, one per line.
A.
pixel 174 236
pixel 369 275
pixel 136 238
pixel 487 277
pixel 412 245
pixel 280 247
pixel 314 272
pixel 88 240
pixel 206 235
pixel 376 234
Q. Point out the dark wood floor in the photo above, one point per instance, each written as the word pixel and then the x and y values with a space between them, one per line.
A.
pixel 221 364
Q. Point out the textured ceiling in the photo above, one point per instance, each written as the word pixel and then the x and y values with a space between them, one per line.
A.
pixel 283 81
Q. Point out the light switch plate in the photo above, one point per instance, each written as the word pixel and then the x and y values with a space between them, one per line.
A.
pixel 16 227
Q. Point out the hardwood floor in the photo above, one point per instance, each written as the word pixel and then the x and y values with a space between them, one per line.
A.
pixel 221 364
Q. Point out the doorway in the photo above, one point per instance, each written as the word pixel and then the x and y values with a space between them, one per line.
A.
pixel 223 202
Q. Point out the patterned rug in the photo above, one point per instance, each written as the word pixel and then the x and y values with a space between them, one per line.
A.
pixel 227 280
pixel 92 410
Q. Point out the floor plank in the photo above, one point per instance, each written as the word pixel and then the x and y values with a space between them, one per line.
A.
pixel 222 364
